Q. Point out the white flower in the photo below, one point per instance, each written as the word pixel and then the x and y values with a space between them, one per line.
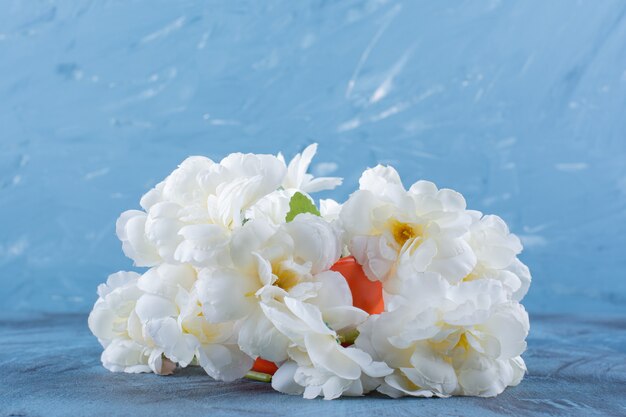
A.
pixel 398 234
pixel 462 339
pixel 495 250
pixel 383 221
pixel 189 216
pixel 232 280
pixel 173 319
pixel 154 322
pixel 319 364
pixel 115 323
pixel 269 263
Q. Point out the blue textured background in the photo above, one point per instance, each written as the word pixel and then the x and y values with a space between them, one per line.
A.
pixel 518 105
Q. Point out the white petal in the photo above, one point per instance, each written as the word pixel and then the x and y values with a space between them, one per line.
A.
pixel 203 244
pixel 234 197
pixel 283 381
pixel 101 322
pixel 168 335
pixel 154 307
pixel 369 366
pixel 250 165
pixel 510 326
pixel 333 291
pixel 455 259
pixel 166 280
pixel 125 356
pixel 375 253
pixel 356 213
pixel 398 385
pixel 431 372
pixel 286 322
pixel 377 179
pixel 330 209
pixel 155 195
pixel 315 241
pixel 130 229
pixel 312 391
pixel 326 353
pixel 251 237
pixel 224 362
pixel 259 337
pixel 423 188
pixel 162 227
pixel 121 279
pixel 494 245
pixel 309 314
pixel 272 208
pixel 226 294
pixel 519 370
pixel 181 186
pixel 523 273
pixel 343 318
pixel 321 184
pixel 451 200
pixel 334 387
pixel 264 270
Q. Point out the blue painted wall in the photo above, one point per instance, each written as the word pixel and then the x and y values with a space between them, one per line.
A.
pixel 518 105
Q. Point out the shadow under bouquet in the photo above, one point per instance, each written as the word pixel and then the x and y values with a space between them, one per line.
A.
pixel 401 291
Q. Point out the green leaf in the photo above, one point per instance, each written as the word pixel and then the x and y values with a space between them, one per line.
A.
pixel 300 203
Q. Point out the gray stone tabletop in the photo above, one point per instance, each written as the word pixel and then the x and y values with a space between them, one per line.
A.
pixel 50 367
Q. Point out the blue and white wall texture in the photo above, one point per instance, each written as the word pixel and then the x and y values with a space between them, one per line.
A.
pixel 521 106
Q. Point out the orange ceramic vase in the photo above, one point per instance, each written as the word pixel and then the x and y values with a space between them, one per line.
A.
pixel 366 295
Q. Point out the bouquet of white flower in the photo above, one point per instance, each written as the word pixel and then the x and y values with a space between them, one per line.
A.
pixel 405 292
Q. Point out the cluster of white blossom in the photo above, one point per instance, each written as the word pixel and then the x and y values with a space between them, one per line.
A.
pixel 240 269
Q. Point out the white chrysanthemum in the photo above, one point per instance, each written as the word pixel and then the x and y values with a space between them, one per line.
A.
pixel 426 231
pixel 383 221
pixel 189 216
pixel 232 280
pixel 463 339
pixel 119 330
pixel 269 263
pixel 172 316
pixel 495 250
pixel 319 364
pixel 154 321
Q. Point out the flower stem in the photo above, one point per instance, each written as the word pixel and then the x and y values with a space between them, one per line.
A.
pixel 259 376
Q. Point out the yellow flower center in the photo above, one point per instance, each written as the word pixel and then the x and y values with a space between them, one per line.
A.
pixel 402 232
pixel 285 278
pixel 463 343
pixel 470 277
pixel 200 328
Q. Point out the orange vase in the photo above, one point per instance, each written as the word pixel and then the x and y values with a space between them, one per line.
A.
pixel 366 295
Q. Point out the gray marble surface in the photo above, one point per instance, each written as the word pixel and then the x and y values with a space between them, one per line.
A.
pixel 50 367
